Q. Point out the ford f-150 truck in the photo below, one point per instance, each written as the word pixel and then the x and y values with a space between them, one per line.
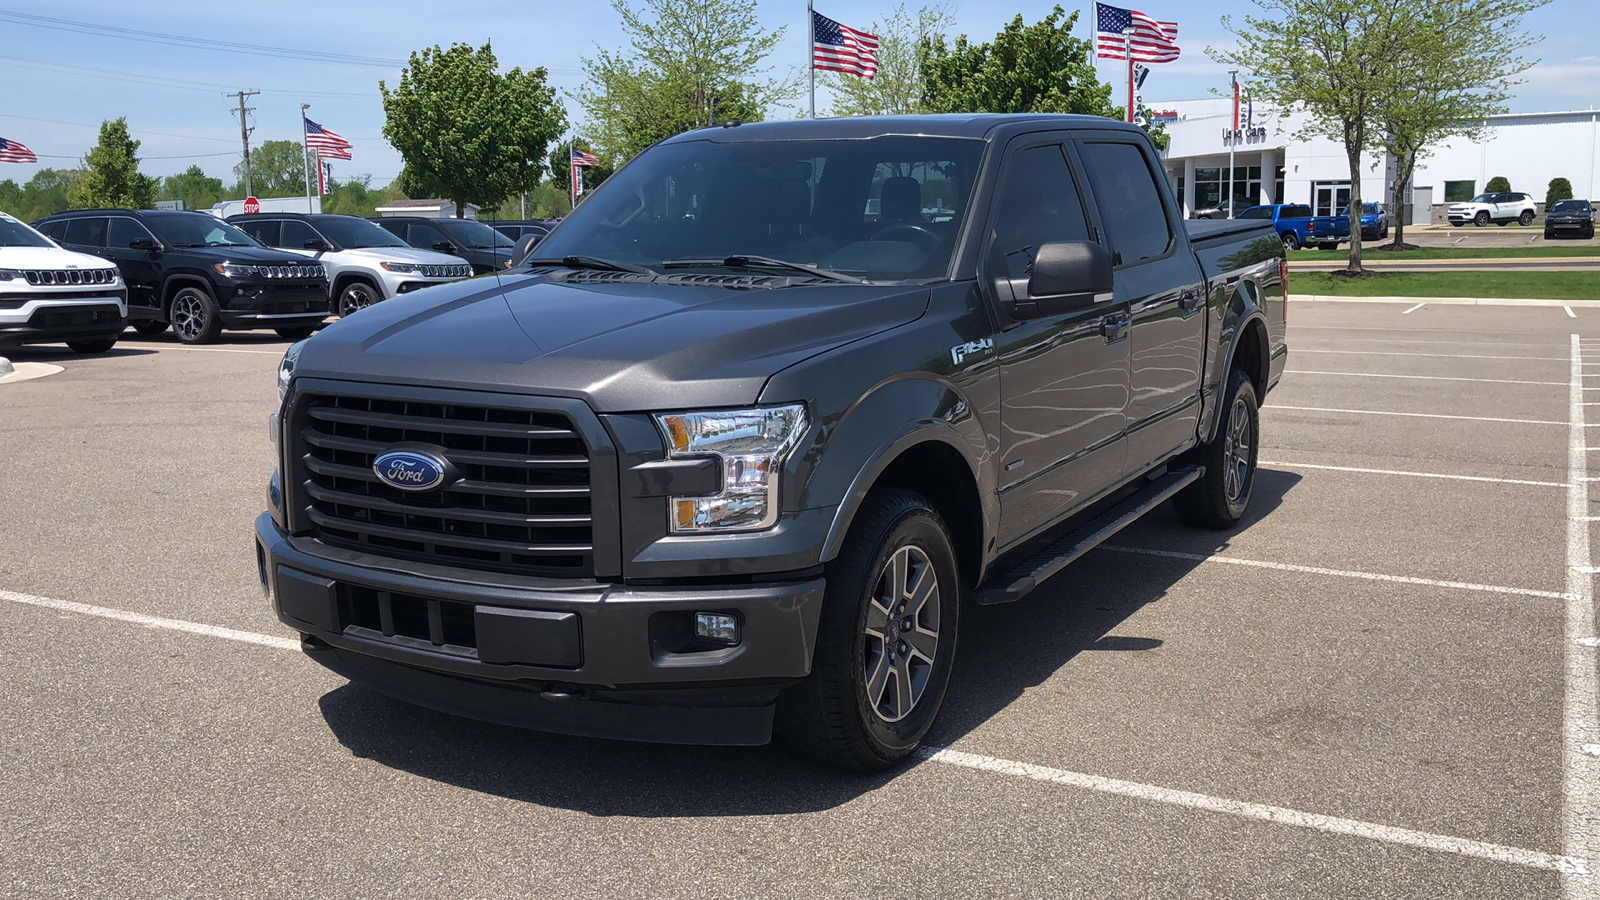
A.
pixel 729 453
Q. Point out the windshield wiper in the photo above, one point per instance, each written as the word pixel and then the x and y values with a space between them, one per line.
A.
pixel 742 261
pixel 591 262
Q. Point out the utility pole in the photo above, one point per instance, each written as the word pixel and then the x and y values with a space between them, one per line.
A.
pixel 244 137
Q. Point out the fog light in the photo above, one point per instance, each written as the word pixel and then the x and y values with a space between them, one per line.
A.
pixel 719 627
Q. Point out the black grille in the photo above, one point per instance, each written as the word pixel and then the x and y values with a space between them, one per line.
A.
pixel 75 316
pixel 17 301
pixel 522 504
pixel 446 624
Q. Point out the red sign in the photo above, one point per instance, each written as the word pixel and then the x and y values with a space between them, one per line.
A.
pixel 252 205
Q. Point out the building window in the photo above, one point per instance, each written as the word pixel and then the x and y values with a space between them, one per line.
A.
pixel 1460 191
pixel 1211 184
pixel 1277 185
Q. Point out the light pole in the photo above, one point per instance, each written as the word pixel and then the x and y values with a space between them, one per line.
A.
pixel 1233 136
pixel 305 154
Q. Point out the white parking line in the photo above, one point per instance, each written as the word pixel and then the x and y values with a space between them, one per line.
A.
pixel 165 347
pixel 1570 313
pixel 1260 812
pixel 1437 355
pixel 1296 465
pixel 1339 573
pixel 1380 412
pixel 1581 699
pixel 1425 377
pixel 1532 859
pixel 1413 309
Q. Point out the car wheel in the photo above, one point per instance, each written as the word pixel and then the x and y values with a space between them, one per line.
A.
pixel 195 318
pixel 1219 498
pixel 885 643
pixel 356 296
pixel 1590 233
pixel 148 326
pixel 1526 218
pixel 1384 234
pixel 296 333
pixel 98 345
pixel 1481 219
pixel 1290 241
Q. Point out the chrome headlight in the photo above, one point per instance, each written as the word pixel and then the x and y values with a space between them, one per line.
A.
pixel 400 267
pixel 234 270
pixel 286 369
pixel 8 274
pixel 752 445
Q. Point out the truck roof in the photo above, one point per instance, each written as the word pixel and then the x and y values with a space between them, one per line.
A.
pixel 954 125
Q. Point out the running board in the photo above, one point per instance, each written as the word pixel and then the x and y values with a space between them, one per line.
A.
pixel 1017 583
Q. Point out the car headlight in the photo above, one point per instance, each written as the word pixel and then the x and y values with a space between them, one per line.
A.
pixel 8 274
pixel 752 445
pixel 234 270
pixel 400 268
pixel 286 369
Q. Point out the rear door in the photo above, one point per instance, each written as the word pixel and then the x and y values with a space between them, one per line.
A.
pixel 1160 281
pixel 1064 377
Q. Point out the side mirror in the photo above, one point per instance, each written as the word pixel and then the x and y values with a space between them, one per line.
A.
pixel 142 244
pixel 315 245
pixel 1066 274
pixel 445 247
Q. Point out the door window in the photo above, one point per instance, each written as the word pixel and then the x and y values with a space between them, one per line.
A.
pixel 56 231
pixel 86 232
pixel 296 233
pixel 1039 204
pixel 425 236
pixel 122 232
pixel 265 231
pixel 1125 190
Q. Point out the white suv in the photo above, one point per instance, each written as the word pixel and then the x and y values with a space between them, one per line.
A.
pixel 49 295
pixel 365 263
pixel 1501 209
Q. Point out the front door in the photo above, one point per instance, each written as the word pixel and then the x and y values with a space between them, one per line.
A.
pixel 1063 378
pixel 138 267
pixel 1331 198
pixel 1160 280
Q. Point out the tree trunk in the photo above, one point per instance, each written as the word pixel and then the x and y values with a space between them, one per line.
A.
pixel 1353 152
pixel 461 208
pixel 1406 167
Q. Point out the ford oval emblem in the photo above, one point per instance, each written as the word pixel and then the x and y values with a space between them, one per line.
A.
pixel 409 470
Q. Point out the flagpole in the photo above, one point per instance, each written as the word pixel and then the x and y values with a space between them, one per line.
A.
pixel 1127 50
pixel 572 170
pixel 811 64
pixel 1233 138
pixel 305 154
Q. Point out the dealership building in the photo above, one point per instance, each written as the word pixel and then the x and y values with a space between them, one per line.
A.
pixel 1270 165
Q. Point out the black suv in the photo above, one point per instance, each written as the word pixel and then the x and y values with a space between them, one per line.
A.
pixel 1575 217
pixel 197 272
pixel 488 250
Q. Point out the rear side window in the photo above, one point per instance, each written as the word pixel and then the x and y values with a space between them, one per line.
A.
pixel 1130 205
pixel 265 231
pixel 425 236
pixel 123 232
pixel 86 232
pixel 398 229
pixel 1295 212
pixel 1038 204
pixel 296 233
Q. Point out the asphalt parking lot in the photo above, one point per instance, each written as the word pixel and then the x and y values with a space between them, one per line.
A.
pixel 1381 685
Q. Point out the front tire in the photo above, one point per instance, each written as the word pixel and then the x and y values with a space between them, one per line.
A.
pixel 1219 498
pixel 1525 219
pixel 886 641
pixel 1481 219
pixel 98 345
pixel 195 317
pixel 356 296
pixel 296 333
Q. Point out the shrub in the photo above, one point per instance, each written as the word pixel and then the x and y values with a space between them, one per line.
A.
pixel 1498 185
pixel 1560 189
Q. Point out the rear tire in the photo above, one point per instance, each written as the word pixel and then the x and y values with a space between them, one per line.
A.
pixel 876 684
pixel 195 317
pixel 1290 241
pixel 1481 219
pixel 148 327
pixel 98 345
pixel 297 333
pixel 1221 496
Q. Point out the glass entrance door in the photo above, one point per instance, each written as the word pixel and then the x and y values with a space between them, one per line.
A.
pixel 1328 197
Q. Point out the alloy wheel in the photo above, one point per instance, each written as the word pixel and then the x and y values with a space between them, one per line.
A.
pixel 354 298
pixel 1236 452
pixel 188 316
pixel 902 633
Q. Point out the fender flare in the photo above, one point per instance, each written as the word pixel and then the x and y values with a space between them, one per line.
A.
pixel 336 285
pixel 172 284
pixel 1242 310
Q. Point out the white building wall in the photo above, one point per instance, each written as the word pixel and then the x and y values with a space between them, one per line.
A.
pixel 1527 149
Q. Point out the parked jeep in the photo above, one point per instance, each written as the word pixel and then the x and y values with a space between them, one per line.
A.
pixel 50 295
pixel 1501 209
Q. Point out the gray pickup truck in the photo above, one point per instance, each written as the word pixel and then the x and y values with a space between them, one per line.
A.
pixel 729 455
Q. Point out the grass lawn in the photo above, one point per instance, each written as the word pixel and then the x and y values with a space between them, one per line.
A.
pixel 1519 284
pixel 1368 253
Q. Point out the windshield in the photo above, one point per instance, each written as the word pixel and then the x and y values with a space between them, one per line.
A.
pixel 476 235
pixel 884 208
pixel 1570 206
pixel 352 233
pixel 16 234
pixel 198 230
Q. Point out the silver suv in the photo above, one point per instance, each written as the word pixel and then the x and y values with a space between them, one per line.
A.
pixel 365 263
pixel 1501 209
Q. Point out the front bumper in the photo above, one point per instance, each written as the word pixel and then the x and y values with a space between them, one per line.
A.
pixel 588 658
pixel 260 306
pixel 43 320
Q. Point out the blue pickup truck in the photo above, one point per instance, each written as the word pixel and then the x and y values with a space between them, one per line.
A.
pixel 1297 227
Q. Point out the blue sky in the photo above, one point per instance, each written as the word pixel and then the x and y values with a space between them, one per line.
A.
pixel 59 85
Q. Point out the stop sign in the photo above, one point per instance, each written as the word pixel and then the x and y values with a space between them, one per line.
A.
pixel 252 205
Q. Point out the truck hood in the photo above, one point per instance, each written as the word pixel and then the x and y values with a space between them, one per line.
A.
pixel 621 348
pixel 48 258
pixel 375 255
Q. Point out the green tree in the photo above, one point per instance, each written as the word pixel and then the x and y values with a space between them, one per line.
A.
pixel 43 194
pixel 1028 68
pixel 688 63
pixel 1560 189
pixel 467 132
pixel 277 169
pixel 11 198
pixel 896 88
pixel 357 197
pixel 1460 65
pixel 1499 184
pixel 194 187
pixel 111 176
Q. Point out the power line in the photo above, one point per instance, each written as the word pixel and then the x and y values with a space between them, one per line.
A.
pixel 178 40
pixel 141 159
pixel 190 137
pixel 163 80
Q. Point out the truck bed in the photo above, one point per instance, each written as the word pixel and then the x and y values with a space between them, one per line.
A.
pixel 1206 232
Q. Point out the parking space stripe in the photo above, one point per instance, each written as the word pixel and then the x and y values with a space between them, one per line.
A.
pixel 1413 309
pixel 1425 377
pixel 1581 698
pixel 1295 465
pixel 123 615
pixel 1437 355
pixel 1338 573
pixel 1380 412
pixel 164 348
pixel 1279 815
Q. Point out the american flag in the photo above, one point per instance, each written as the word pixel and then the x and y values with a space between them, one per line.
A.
pixel 580 158
pixel 326 142
pixel 324 176
pixel 838 48
pixel 11 151
pixel 1152 41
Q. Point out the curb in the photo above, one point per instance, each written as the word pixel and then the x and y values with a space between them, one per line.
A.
pixel 1442 301
pixel 5 367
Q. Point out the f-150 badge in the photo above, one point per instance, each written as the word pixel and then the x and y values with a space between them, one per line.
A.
pixel 961 351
